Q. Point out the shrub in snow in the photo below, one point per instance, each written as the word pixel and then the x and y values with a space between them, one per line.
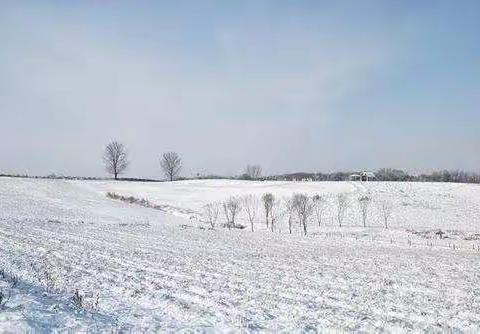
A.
pixel 210 212
pixel 131 200
pixel 364 205
pixel 386 209
pixel 276 213
pixel 113 195
pixel 304 209
pixel 342 205
pixel 231 209
pixel 250 205
pixel 320 204
pixel 290 211
pixel 267 201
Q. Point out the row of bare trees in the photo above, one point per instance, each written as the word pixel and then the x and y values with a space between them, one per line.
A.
pixel 115 158
pixel 299 208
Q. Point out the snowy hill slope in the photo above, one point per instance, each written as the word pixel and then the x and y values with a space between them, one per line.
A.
pixel 138 268
pixel 416 205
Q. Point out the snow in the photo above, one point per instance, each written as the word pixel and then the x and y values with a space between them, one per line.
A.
pixel 140 268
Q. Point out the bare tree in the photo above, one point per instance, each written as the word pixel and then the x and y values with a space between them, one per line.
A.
pixel 290 211
pixel 276 213
pixel 267 201
pixel 115 158
pixel 364 205
pixel 320 204
pixel 231 209
pixel 304 209
pixel 253 172
pixel 251 204
pixel 171 164
pixel 386 208
pixel 342 204
pixel 211 211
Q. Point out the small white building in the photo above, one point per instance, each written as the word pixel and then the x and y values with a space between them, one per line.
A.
pixel 355 177
pixel 363 176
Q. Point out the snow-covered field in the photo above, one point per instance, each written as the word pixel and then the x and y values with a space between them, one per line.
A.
pixel 138 268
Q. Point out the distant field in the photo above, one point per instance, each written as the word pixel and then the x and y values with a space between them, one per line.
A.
pixel 138 268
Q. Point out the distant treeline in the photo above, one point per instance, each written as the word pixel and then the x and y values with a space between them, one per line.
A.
pixel 62 177
pixel 384 174
pixel 459 176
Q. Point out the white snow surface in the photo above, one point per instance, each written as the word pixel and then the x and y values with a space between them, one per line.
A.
pixel 144 269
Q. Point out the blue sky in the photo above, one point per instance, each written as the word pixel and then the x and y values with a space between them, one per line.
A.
pixel 290 85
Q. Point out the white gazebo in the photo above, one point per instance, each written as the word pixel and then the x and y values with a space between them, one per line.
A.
pixel 355 177
pixel 363 176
